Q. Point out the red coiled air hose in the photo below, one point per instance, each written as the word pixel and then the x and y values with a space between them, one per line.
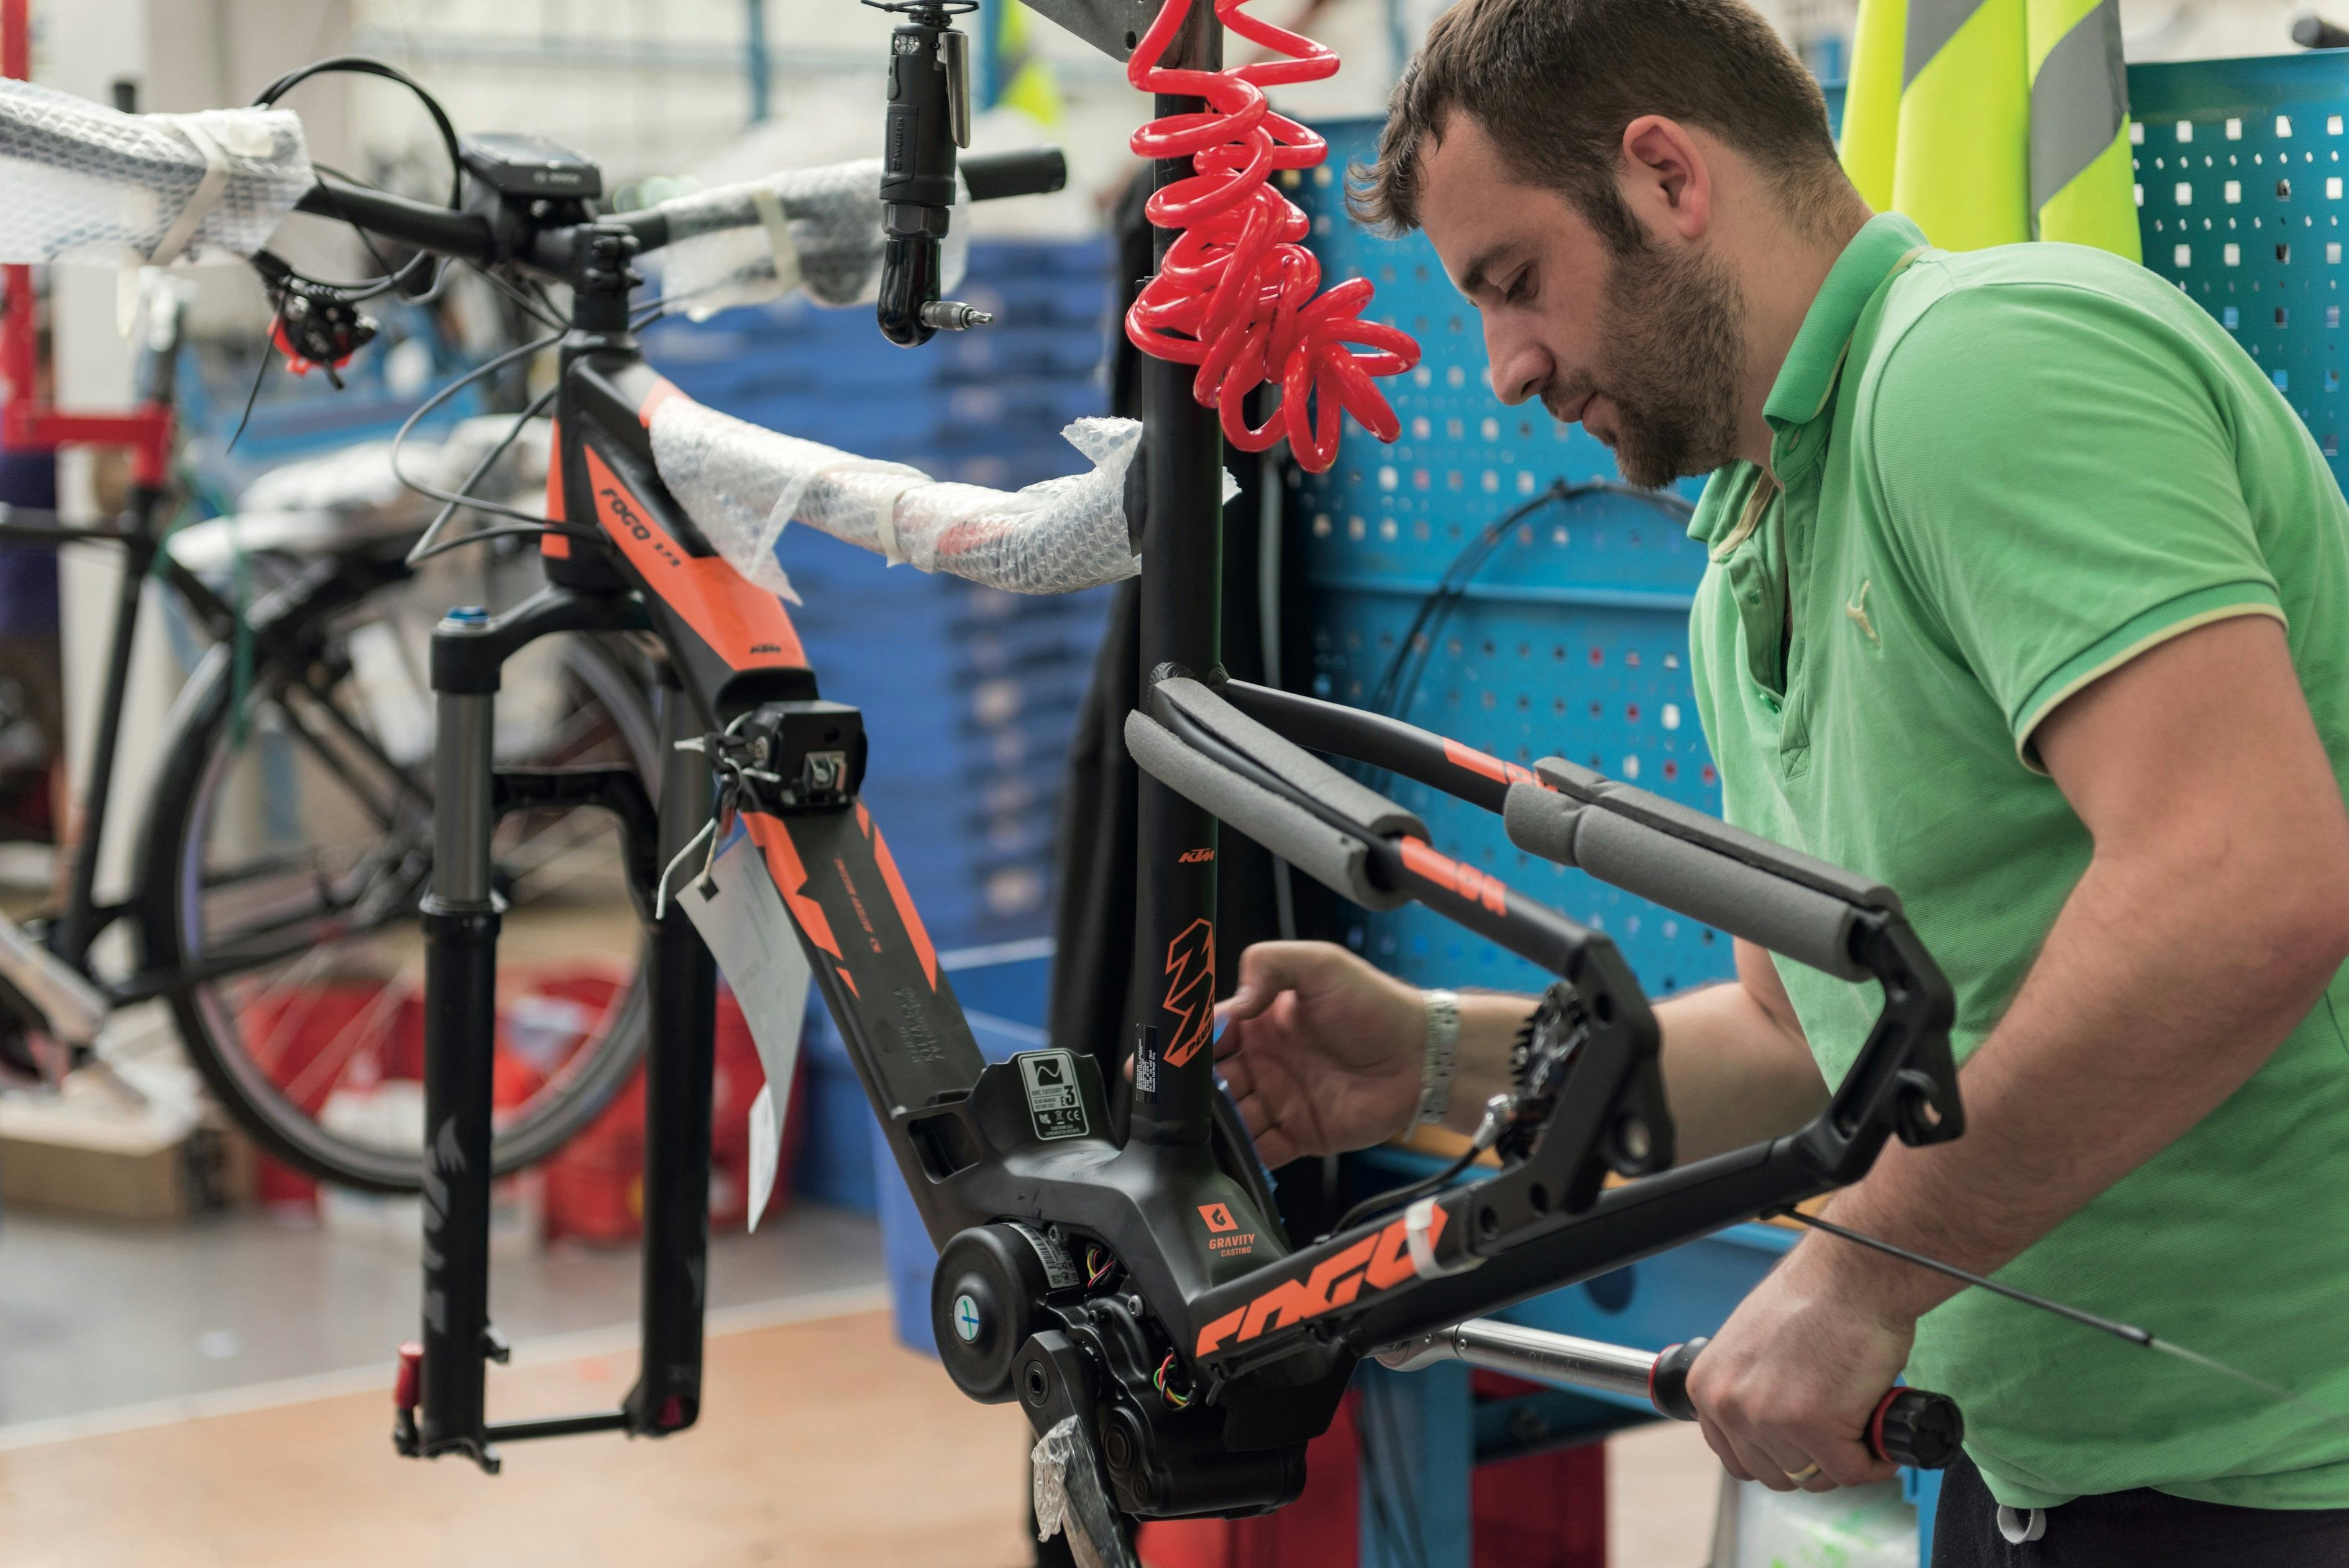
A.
pixel 1235 294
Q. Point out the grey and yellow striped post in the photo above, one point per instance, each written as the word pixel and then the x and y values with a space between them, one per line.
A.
pixel 2083 190
pixel 1992 121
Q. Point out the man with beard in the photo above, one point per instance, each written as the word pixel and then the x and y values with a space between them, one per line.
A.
pixel 2028 596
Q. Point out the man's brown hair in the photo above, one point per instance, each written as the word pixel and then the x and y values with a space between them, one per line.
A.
pixel 1555 82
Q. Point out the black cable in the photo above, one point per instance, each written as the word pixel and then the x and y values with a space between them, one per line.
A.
pixel 505 531
pixel 261 374
pixel 394 280
pixel 360 64
pixel 2128 1332
pixel 2145 1339
pixel 537 310
pixel 488 368
pixel 1395 1197
pixel 424 548
pixel 1393 695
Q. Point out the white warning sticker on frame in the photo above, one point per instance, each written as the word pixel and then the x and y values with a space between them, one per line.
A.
pixel 1054 1102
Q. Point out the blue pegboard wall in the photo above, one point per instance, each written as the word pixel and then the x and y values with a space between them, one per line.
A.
pixel 1572 640
pixel 2239 169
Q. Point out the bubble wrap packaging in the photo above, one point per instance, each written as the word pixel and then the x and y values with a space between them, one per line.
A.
pixel 817 229
pixel 1070 1496
pixel 741 484
pixel 86 182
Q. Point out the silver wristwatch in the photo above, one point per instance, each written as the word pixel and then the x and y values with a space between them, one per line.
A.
pixel 1442 1055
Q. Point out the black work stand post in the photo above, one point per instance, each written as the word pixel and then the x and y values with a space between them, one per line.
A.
pixel 1181 625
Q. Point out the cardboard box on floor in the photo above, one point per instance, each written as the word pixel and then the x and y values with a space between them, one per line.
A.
pixel 95 1151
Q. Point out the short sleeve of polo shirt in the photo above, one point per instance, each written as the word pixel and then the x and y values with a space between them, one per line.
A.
pixel 2059 476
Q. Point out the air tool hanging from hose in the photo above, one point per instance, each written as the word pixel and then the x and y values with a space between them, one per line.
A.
pixel 930 117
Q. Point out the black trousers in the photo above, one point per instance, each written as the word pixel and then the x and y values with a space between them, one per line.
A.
pixel 2143 1529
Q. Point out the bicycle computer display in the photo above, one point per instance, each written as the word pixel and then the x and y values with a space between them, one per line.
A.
pixel 518 165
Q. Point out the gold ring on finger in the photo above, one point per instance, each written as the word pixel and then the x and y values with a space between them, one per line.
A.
pixel 1806 1473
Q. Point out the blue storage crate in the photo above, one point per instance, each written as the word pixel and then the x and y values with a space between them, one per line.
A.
pixel 993 351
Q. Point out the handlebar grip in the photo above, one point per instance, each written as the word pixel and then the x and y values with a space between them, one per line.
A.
pixel 1917 1427
pixel 1030 171
pixel 1781 914
pixel 1330 857
pixel 1912 1426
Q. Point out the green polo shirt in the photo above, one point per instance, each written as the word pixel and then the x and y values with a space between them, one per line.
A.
pixel 2004 474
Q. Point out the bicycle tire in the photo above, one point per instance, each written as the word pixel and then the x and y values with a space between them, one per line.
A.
pixel 170 874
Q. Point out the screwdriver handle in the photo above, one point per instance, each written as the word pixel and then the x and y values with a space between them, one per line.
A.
pixel 1910 1426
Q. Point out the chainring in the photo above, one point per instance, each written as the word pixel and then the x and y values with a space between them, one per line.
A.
pixel 1543 1049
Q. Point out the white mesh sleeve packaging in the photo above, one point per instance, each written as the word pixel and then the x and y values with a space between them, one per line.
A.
pixel 86 182
pixel 819 229
pixel 741 484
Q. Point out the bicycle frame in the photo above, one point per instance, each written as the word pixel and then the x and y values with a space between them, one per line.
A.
pixel 138 532
pixel 149 432
pixel 1012 1165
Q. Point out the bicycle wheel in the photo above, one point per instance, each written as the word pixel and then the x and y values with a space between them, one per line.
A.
pixel 281 878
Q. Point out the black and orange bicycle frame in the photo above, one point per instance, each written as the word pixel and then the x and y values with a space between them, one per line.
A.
pixel 1020 1168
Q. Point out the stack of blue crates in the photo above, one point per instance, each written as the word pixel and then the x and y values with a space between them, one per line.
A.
pixel 970 696
pixel 984 407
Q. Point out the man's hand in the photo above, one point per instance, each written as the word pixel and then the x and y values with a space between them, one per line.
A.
pixel 1795 1375
pixel 1321 1052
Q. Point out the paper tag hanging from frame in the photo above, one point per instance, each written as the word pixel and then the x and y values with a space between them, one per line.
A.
pixel 741 921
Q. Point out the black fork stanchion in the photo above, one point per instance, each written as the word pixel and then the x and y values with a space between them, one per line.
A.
pixel 1180 604
pixel 461 982
pixel 678 1068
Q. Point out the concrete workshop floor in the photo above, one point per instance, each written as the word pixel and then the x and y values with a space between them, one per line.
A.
pixel 215 1395
pixel 107 1323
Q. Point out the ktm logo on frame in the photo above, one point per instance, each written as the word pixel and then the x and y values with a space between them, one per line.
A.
pixel 1195 857
pixel 1373 1264
pixel 1191 991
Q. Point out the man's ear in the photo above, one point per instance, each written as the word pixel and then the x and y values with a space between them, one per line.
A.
pixel 1667 180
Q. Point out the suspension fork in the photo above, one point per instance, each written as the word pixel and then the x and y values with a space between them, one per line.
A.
pixel 461 981
pixel 680 1065
pixel 440 1407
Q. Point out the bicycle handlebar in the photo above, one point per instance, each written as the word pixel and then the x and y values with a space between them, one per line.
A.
pixel 466 236
pixel 473 237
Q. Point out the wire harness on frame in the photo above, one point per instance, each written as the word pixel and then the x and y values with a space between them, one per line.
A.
pixel 1235 294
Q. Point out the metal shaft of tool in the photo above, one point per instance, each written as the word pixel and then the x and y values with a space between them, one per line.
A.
pixel 1529 1353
